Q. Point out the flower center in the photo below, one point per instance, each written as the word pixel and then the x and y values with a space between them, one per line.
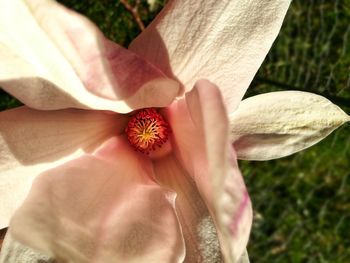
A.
pixel 147 130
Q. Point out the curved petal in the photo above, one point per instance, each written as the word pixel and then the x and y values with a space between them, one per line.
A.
pixel 201 144
pixel 223 41
pixel 101 208
pixel 53 58
pixel 33 141
pixel 199 232
pixel 244 258
pixel 277 124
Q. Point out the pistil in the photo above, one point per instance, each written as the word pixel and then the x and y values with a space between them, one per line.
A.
pixel 147 130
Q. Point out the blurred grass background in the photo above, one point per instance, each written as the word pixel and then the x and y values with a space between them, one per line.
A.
pixel 302 202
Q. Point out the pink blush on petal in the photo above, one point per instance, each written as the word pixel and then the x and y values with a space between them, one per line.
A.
pixel 240 212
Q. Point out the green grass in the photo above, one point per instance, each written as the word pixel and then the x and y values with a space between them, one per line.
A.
pixel 7 101
pixel 301 202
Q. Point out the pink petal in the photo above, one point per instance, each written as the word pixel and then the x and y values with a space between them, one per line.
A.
pixel 201 142
pixel 54 58
pixel 101 208
pixel 197 226
pixel 33 141
pixel 224 41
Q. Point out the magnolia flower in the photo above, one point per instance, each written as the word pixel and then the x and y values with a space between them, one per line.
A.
pixel 126 155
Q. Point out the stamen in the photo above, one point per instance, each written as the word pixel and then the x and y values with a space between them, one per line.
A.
pixel 147 130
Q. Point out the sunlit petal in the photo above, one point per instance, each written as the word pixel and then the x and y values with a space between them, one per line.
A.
pixel 201 144
pixel 223 41
pixel 54 58
pixel 277 124
pixel 101 208
pixel 244 258
pixel 33 141
pixel 198 229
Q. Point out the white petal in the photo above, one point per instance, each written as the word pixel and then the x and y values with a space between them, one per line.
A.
pixel 277 124
pixel 103 207
pixel 201 144
pixel 197 226
pixel 33 141
pixel 13 251
pixel 223 41
pixel 54 58
pixel 244 258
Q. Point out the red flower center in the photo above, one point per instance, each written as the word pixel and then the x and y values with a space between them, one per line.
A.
pixel 147 130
